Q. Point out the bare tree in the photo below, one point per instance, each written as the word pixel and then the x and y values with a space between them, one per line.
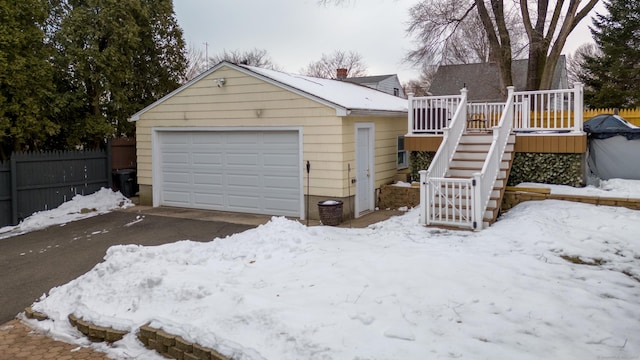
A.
pixel 547 36
pixel 420 86
pixel 575 62
pixel 327 65
pixel 195 62
pixel 439 19
pixel 255 57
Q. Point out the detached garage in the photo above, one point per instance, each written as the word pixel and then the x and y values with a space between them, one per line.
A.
pixel 237 138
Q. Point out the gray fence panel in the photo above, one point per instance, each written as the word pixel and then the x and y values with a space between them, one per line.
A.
pixel 5 193
pixel 45 180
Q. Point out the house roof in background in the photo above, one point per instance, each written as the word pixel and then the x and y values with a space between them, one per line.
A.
pixel 347 98
pixel 369 79
pixel 482 81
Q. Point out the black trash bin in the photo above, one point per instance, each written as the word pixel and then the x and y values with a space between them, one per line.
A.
pixel 330 212
pixel 125 181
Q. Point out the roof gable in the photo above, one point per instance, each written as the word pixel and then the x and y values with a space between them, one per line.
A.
pixel 346 98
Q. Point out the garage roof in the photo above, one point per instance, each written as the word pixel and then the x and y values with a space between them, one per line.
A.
pixel 347 98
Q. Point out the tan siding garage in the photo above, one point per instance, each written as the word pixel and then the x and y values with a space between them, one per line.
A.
pixel 249 171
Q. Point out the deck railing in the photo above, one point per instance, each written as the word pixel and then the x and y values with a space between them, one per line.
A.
pixel 484 115
pixel 431 114
pixel 440 163
pixel 555 110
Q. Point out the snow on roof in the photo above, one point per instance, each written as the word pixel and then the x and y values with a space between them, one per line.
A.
pixel 347 98
pixel 342 93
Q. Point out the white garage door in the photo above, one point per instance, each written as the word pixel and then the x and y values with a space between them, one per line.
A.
pixel 242 171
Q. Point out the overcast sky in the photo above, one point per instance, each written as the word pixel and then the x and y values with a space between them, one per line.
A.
pixel 296 32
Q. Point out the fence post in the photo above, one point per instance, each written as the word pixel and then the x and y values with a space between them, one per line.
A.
pixel 109 164
pixel 410 114
pixel 424 203
pixel 14 190
pixel 578 106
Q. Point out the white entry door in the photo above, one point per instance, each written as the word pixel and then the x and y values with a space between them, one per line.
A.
pixel 365 172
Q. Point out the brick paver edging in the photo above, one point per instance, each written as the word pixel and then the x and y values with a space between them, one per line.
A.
pixel 175 346
pixel 155 339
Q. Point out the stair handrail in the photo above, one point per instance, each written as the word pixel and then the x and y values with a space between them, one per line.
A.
pixel 440 163
pixel 486 179
pixel 450 139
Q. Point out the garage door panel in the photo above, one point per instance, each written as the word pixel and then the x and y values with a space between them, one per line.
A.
pixel 207 138
pixel 178 198
pixel 208 200
pixel 243 202
pixel 277 204
pixel 280 159
pixel 245 171
pixel 175 158
pixel 239 182
pixel 280 183
pixel 243 138
pixel 236 159
pixel 207 179
pixel 206 159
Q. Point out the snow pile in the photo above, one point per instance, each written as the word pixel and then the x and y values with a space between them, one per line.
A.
pixel 406 184
pixel 613 188
pixel 80 207
pixel 521 289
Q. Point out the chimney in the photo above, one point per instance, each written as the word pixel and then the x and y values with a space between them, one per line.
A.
pixel 341 73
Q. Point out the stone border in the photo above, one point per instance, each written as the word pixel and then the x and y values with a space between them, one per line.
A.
pixel 515 195
pixel 36 315
pixel 166 344
pixel 96 333
pixel 175 346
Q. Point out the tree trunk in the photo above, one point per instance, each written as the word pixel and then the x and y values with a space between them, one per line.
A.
pixel 500 43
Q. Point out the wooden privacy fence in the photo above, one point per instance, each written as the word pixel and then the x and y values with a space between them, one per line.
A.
pixel 33 181
pixel 631 115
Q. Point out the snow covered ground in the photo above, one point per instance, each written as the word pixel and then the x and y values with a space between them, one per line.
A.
pixel 551 279
pixel 80 207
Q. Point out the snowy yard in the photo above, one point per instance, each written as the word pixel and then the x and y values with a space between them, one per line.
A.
pixel 526 288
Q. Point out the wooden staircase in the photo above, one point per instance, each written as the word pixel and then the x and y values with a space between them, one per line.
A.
pixel 469 158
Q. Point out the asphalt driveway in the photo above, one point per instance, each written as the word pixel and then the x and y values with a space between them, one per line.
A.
pixel 33 263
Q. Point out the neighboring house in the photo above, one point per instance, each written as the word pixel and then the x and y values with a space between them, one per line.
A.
pixel 238 138
pixel 389 84
pixel 482 79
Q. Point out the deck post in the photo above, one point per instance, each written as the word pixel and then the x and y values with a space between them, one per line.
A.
pixel 578 107
pixel 410 114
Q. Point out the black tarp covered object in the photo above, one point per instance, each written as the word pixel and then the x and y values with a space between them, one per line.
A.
pixel 604 126
pixel 613 148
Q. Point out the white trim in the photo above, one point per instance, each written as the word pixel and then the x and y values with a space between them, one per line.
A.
pixel 372 170
pixel 155 153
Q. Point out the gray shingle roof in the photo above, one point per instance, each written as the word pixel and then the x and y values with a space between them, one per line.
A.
pixel 482 79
